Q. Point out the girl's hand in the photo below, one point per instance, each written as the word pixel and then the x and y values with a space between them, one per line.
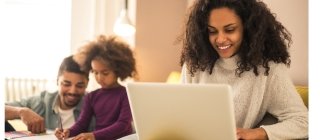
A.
pixel 257 133
pixel 61 135
pixel 84 136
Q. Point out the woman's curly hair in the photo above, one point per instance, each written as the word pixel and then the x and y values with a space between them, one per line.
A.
pixel 113 51
pixel 264 38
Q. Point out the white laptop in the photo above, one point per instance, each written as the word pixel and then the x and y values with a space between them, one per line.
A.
pixel 164 111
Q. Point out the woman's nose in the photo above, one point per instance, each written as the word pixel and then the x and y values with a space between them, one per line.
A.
pixel 221 38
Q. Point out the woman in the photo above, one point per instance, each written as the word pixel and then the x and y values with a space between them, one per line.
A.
pixel 240 43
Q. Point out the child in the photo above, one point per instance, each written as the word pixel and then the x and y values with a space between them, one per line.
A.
pixel 108 58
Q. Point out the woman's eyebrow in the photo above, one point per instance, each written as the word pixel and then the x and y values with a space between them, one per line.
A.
pixel 231 24
pixel 209 26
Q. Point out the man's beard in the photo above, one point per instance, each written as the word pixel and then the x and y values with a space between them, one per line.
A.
pixel 70 103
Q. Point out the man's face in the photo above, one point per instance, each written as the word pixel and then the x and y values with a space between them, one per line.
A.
pixel 71 87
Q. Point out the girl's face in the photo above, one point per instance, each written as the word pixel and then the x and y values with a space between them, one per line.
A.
pixel 225 31
pixel 105 77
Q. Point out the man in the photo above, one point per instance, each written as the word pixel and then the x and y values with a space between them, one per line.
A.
pixel 44 111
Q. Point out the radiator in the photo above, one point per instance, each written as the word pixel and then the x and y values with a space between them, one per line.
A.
pixel 18 88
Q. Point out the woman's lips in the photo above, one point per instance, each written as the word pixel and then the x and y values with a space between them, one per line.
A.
pixel 224 47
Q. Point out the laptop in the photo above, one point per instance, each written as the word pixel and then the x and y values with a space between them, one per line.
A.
pixel 164 111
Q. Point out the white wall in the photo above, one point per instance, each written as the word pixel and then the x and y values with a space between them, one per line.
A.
pixel 158 23
pixel 294 16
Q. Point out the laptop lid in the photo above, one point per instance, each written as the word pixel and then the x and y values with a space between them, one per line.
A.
pixel 164 111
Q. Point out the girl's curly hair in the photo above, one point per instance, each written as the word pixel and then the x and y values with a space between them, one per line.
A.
pixel 264 38
pixel 113 51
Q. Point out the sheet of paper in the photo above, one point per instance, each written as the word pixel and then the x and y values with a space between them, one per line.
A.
pixel 27 135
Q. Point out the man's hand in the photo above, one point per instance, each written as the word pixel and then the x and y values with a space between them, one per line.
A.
pixel 34 122
pixel 84 136
pixel 257 133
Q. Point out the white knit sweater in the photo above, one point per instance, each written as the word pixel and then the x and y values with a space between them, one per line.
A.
pixel 254 96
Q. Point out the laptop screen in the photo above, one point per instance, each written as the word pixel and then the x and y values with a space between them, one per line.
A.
pixel 182 111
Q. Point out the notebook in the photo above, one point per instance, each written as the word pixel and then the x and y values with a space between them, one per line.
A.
pixel 182 111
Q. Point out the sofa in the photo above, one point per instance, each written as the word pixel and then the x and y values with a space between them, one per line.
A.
pixel 303 91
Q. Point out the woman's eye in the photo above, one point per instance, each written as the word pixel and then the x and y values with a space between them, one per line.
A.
pixel 212 32
pixel 229 30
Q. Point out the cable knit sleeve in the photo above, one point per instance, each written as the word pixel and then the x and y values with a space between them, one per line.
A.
pixel 286 105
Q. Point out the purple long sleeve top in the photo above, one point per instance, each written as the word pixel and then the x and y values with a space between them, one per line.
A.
pixel 111 109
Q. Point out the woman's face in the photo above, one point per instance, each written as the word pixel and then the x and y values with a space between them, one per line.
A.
pixel 225 31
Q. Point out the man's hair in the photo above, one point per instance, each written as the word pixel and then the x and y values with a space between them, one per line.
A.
pixel 68 64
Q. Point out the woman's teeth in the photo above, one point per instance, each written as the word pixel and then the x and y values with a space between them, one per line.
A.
pixel 224 47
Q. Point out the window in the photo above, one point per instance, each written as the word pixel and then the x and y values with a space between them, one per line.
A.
pixel 34 37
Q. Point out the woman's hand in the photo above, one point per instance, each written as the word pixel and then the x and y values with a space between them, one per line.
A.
pixel 61 134
pixel 84 136
pixel 257 133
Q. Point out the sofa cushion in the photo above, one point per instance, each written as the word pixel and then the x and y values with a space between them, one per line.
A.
pixel 303 91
